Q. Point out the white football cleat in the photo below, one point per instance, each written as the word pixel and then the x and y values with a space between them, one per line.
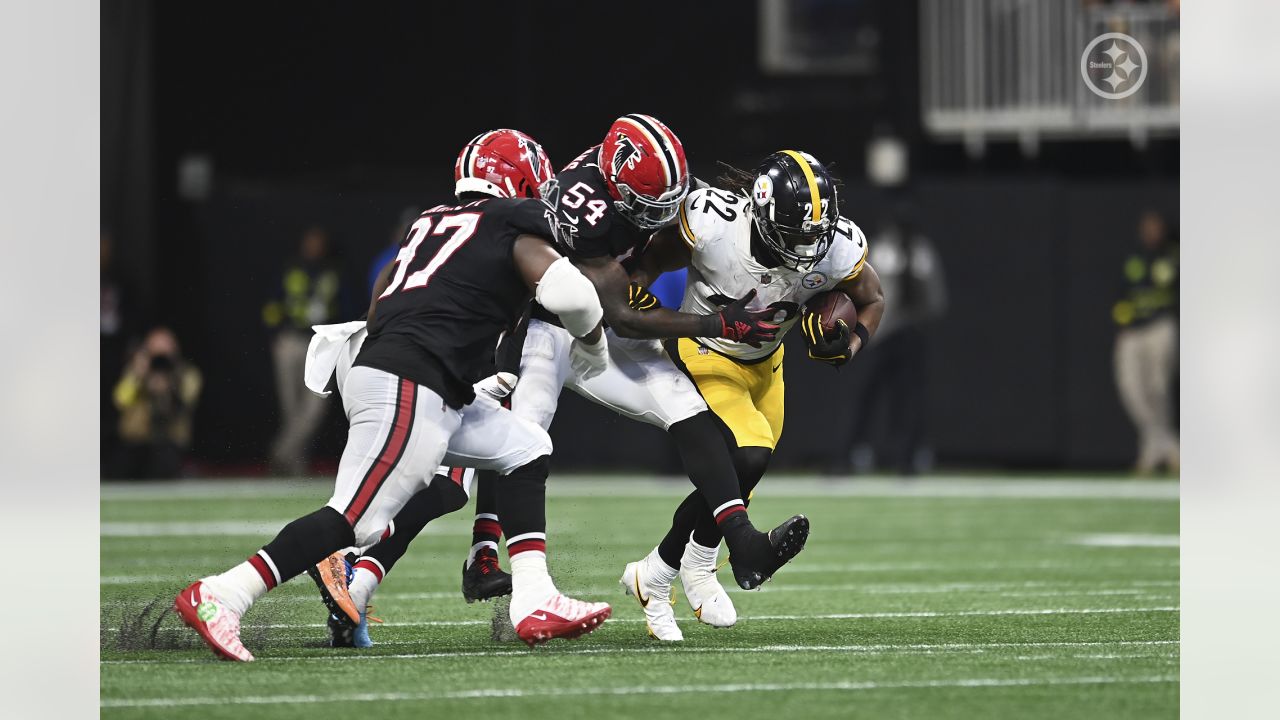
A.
pixel 707 597
pixel 654 596
pixel 218 625
pixel 560 616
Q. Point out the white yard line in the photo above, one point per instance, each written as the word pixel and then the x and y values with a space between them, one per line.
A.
pixel 915 648
pixel 622 486
pixel 828 569
pixel 788 618
pixel 1127 540
pixel 235 527
pixel 483 693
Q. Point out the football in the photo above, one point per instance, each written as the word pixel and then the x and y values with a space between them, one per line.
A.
pixel 832 306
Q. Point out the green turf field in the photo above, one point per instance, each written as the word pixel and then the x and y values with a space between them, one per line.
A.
pixel 946 598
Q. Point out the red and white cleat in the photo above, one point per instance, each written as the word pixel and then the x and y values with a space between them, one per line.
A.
pixel 561 617
pixel 217 624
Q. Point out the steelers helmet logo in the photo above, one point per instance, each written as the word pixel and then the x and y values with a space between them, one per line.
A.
pixel 763 190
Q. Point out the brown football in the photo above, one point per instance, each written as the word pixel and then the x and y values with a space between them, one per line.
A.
pixel 833 306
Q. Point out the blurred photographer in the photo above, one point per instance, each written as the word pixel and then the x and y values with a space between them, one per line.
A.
pixel 156 397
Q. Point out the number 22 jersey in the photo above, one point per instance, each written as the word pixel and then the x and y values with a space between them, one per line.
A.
pixel 717 226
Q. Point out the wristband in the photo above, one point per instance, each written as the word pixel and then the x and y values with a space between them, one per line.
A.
pixel 861 331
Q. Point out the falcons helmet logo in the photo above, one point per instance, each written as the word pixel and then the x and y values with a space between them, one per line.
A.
pixel 626 155
pixel 532 154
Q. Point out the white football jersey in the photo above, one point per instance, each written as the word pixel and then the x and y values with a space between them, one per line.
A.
pixel 716 225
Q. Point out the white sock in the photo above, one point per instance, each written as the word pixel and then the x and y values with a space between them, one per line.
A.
pixel 471 556
pixel 699 556
pixel 530 583
pixel 362 587
pixel 238 588
pixel 658 570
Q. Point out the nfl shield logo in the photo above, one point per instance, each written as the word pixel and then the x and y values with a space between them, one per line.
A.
pixel 765 278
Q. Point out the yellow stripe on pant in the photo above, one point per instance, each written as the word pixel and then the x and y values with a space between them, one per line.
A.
pixel 749 398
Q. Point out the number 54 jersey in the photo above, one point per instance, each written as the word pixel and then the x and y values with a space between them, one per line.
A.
pixel 716 225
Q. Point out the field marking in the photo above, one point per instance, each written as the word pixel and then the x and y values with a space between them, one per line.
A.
pixel 644 486
pixel 222 528
pixel 1127 540
pixel 487 693
pixel 824 616
pixel 874 649
pixel 791 570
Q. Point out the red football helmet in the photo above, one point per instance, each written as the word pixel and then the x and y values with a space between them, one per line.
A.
pixel 502 163
pixel 645 169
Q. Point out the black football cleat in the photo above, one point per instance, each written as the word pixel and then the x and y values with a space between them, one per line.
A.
pixel 485 580
pixel 785 542
pixel 342 634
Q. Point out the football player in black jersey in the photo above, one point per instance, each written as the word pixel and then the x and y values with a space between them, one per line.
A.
pixel 464 273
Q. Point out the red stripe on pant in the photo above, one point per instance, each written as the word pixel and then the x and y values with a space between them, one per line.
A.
pixel 406 399
pixel 729 512
pixel 456 474
pixel 370 566
pixel 526 546
pixel 260 565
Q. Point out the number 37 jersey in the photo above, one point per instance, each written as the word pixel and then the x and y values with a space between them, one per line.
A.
pixel 716 225
pixel 455 288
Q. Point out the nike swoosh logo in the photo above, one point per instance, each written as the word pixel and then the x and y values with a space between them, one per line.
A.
pixel 644 601
pixel 538 616
pixel 775 367
pixel 193 600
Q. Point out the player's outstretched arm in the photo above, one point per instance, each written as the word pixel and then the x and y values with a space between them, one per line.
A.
pixel 733 321
pixel 864 291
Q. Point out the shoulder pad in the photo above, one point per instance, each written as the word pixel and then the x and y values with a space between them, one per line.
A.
pixel 848 250
pixel 706 212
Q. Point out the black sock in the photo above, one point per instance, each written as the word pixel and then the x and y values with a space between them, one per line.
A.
pixel 303 543
pixel 522 502
pixel 683 522
pixel 708 463
pixel 750 463
pixel 441 497
pixel 487 526
pixel 692 517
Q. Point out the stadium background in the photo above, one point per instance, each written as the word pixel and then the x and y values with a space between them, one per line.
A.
pixel 342 114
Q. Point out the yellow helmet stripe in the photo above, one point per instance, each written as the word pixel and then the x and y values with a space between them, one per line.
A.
pixel 813 182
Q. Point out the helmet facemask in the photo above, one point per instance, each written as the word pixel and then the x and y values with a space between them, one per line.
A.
pixel 651 213
pixel 799 248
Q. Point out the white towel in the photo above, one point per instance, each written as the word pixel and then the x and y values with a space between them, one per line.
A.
pixel 333 348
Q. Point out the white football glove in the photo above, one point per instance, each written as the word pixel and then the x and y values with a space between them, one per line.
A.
pixel 588 360
pixel 497 386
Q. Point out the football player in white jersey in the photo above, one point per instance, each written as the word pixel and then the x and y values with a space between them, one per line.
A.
pixel 776 232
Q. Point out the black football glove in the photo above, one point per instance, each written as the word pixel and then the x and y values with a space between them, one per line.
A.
pixel 833 351
pixel 639 298
pixel 752 327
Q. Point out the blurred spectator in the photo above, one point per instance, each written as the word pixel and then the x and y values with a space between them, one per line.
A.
pixel 157 398
pixel 310 286
pixel 894 365
pixel 1146 354
pixel 113 335
pixel 407 216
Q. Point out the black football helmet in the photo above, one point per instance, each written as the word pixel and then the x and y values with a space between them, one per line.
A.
pixel 795 208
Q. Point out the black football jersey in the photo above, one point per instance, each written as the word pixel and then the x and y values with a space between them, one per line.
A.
pixel 592 226
pixel 455 289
